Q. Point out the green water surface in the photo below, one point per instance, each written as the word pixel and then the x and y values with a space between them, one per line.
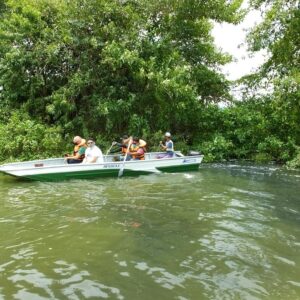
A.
pixel 226 232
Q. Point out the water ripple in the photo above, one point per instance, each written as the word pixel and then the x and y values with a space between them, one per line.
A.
pixel 228 231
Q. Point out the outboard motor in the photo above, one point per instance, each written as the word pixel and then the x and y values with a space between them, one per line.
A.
pixel 194 153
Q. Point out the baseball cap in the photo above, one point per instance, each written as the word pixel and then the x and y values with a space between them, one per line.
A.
pixel 168 134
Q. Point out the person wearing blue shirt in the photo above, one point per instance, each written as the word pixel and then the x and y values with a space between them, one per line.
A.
pixel 168 146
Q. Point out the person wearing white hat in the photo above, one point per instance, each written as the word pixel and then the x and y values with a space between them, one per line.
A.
pixel 168 146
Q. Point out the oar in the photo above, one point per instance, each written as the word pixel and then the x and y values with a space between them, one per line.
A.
pixel 110 148
pixel 123 164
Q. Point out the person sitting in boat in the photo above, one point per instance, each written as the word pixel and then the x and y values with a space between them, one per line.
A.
pixel 78 152
pixel 125 140
pixel 93 154
pixel 142 143
pixel 137 149
pixel 167 146
pixel 121 148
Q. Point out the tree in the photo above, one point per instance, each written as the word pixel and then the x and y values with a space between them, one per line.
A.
pixel 104 66
pixel 279 34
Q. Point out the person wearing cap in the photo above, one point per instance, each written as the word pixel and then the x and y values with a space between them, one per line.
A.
pixel 93 154
pixel 168 146
pixel 78 152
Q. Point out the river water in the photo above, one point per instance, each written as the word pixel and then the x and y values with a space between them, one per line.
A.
pixel 228 231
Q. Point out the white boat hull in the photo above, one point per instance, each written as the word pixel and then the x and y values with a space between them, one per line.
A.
pixel 58 169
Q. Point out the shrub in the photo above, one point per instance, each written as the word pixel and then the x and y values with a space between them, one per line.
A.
pixel 262 157
pixel 25 139
pixel 218 149
pixel 276 149
pixel 295 162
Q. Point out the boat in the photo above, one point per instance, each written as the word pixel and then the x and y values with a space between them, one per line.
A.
pixel 55 169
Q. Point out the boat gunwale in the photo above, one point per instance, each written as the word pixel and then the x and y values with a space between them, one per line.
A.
pixel 106 155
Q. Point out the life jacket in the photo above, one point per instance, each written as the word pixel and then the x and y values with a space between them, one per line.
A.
pixel 133 150
pixel 78 147
pixel 142 144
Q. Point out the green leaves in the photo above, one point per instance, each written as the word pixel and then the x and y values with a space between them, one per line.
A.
pixel 83 58
pixel 106 68
pixel 278 33
pixel 27 139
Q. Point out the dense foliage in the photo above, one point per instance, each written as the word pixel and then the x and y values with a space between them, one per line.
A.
pixel 23 138
pixel 103 68
pixel 112 66
pixel 251 130
pixel 279 34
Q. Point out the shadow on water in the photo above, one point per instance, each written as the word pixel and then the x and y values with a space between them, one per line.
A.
pixel 229 231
